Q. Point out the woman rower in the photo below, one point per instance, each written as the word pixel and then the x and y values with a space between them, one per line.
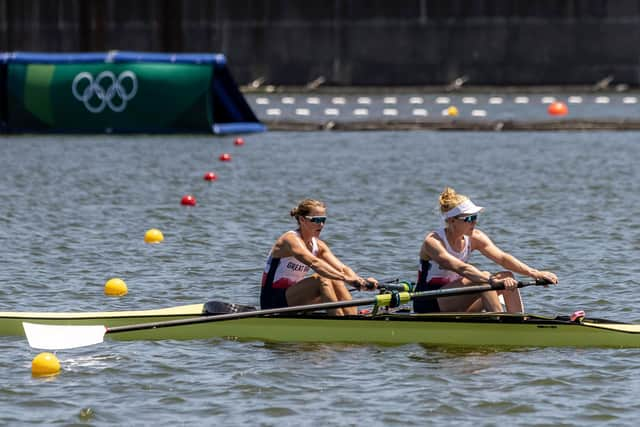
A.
pixel 285 281
pixel 443 263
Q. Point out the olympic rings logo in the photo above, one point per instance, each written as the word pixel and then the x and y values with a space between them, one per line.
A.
pixel 106 90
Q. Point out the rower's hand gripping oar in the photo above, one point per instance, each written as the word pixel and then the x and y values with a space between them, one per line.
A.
pixel 58 337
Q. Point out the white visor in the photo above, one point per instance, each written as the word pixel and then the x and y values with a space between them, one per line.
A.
pixel 465 208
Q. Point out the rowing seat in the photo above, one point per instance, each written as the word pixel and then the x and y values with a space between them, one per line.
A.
pixel 212 308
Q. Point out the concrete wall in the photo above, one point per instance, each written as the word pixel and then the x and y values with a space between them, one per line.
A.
pixel 353 42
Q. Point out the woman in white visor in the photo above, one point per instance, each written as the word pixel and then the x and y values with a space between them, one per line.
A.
pixel 443 263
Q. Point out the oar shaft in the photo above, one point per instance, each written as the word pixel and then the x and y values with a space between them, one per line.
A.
pixel 466 290
pixel 381 300
pixel 246 314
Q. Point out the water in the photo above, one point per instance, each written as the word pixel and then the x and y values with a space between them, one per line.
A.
pixel 75 209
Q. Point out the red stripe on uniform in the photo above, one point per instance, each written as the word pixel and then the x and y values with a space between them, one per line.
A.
pixel 283 283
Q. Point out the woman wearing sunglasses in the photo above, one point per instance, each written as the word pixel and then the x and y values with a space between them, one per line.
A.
pixel 443 262
pixel 285 281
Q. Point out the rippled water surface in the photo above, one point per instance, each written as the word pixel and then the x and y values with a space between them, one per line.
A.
pixel 75 209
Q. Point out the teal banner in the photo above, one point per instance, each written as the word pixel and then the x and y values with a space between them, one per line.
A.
pixel 99 97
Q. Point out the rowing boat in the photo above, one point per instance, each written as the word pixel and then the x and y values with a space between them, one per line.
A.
pixel 438 329
pixel 459 329
pixel 311 323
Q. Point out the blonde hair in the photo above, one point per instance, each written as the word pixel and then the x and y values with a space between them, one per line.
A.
pixel 305 207
pixel 449 199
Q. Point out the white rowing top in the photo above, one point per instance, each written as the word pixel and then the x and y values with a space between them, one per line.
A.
pixel 446 276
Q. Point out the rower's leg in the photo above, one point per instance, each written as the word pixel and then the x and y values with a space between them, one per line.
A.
pixel 329 291
pixel 487 301
pixel 513 301
pixel 476 307
pixel 312 290
pixel 474 303
pixel 491 302
pixel 343 294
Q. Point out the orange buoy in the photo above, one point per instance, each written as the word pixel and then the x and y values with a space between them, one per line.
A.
pixel 558 108
pixel 210 176
pixel 238 141
pixel 188 200
pixel 225 157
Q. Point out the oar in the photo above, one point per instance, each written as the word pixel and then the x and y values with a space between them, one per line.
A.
pixel 389 284
pixel 58 337
pixel 398 286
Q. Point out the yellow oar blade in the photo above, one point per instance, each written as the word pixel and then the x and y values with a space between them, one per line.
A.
pixel 56 337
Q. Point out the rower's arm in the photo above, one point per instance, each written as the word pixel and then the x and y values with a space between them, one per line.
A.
pixel 485 245
pixel 329 257
pixel 296 247
pixel 433 249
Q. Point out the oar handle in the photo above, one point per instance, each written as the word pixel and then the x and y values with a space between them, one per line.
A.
pixel 386 287
pixel 400 287
pixel 537 282
pixel 391 284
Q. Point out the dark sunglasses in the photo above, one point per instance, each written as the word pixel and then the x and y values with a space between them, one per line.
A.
pixel 468 218
pixel 317 219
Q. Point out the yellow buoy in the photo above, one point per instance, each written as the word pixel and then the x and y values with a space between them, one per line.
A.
pixel 115 287
pixel 452 111
pixel 86 414
pixel 153 235
pixel 45 364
